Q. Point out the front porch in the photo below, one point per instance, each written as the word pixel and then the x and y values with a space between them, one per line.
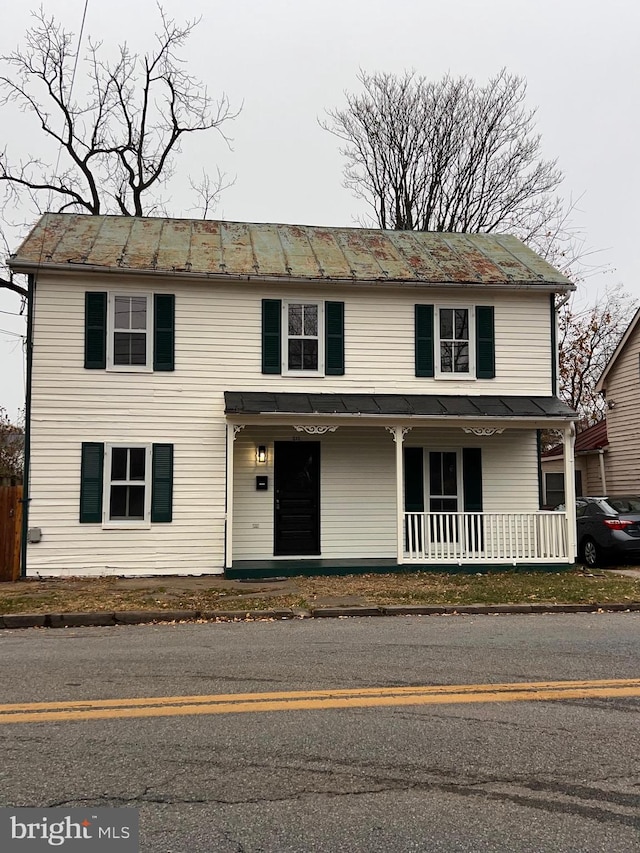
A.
pixel 391 491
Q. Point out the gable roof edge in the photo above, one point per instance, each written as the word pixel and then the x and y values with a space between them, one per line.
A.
pixel 618 350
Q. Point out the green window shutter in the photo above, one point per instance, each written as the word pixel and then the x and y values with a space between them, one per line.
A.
pixel 334 338
pixel 163 331
pixel 424 340
pixel 162 483
pixel 271 347
pixel 91 474
pixel 413 479
pixel 485 343
pixel 472 478
pixel 95 330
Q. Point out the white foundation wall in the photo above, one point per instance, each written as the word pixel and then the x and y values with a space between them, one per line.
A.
pixel 218 348
pixel 358 482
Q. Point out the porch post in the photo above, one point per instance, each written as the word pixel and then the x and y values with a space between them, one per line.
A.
pixel 398 437
pixel 228 534
pixel 568 441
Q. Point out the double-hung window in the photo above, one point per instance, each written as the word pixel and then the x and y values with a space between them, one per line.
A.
pixel 127 483
pixel 303 350
pixel 130 338
pixel 303 337
pixel 455 341
pixel 455 351
pixel 132 332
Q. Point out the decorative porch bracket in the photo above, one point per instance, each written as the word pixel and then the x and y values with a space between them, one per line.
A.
pixel 483 431
pixel 398 430
pixel 315 430
pixel 236 429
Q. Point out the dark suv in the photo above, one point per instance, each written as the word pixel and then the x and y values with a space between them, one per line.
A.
pixel 608 529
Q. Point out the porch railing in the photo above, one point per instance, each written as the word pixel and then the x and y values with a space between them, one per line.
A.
pixel 497 537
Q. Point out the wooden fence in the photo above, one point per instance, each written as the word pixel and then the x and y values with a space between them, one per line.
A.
pixel 10 532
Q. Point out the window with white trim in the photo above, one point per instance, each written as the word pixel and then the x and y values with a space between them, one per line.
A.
pixel 303 341
pixel 127 495
pixel 129 341
pixel 455 346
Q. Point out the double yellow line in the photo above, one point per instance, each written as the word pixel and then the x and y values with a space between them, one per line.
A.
pixel 311 700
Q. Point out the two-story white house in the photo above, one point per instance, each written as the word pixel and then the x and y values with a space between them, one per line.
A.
pixel 272 399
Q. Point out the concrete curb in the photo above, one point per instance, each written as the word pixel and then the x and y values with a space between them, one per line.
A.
pixel 141 617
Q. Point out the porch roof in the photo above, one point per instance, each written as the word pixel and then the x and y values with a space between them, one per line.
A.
pixel 397 405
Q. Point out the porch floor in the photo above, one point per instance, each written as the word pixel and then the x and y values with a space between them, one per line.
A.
pixel 247 569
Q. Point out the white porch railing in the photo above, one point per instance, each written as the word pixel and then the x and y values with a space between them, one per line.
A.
pixel 497 537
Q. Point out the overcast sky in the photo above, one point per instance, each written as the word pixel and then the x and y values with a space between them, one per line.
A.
pixel 285 61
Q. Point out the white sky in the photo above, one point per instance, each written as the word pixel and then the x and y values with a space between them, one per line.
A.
pixel 288 60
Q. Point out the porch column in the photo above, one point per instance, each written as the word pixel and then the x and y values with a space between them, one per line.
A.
pixel 568 441
pixel 398 437
pixel 228 532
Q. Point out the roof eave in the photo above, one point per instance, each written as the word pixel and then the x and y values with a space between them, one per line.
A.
pixel 30 267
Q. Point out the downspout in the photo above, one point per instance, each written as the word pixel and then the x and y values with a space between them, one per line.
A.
pixel 603 478
pixel 26 497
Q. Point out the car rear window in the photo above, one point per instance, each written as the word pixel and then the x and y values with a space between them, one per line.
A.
pixel 631 504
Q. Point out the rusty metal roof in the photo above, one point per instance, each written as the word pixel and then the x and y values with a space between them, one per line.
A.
pixel 215 249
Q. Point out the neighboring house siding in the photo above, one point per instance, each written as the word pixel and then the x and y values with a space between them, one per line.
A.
pixel 623 419
pixel 358 510
pixel 218 347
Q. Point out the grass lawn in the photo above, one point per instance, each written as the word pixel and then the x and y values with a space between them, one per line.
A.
pixel 75 595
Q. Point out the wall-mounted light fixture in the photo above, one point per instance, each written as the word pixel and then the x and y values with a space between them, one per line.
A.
pixel 261 454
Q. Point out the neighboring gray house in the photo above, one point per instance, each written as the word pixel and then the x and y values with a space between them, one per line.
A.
pixel 607 454
pixel 261 398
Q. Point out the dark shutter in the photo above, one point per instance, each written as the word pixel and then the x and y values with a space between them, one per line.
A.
pixel 472 478
pixel 334 338
pixel 539 455
pixel 271 348
pixel 162 483
pixel 91 473
pixel 485 343
pixel 424 340
pixel 95 330
pixel 163 331
pixel 413 480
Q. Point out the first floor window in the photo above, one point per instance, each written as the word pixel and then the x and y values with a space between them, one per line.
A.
pixel 129 468
pixel 126 484
pixel 302 348
pixel 554 487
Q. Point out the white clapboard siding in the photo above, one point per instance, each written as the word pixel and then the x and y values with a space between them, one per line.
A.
pixel 218 348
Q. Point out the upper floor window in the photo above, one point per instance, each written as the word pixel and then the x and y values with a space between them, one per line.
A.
pixel 302 337
pixel 129 336
pixel 129 332
pixel 455 344
pixel 302 349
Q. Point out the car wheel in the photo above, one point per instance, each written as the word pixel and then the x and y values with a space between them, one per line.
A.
pixel 591 553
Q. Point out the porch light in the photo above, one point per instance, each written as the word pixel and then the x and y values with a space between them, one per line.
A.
pixel 261 454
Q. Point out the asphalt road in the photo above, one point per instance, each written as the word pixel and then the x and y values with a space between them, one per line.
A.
pixel 476 776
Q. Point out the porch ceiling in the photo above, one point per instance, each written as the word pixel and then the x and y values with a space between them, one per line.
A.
pixel 248 403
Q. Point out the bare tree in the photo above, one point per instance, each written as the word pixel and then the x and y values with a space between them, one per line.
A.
pixel 588 338
pixel 448 155
pixel 118 145
pixel 11 447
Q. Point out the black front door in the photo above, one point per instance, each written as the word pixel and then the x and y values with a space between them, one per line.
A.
pixel 297 498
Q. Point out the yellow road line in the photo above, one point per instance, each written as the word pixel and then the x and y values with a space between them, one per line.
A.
pixel 236 703
pixel 86 704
